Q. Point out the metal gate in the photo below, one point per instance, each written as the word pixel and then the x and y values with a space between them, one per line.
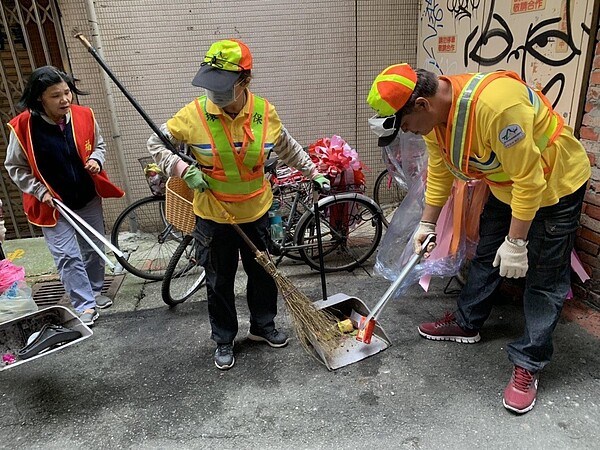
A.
pixel 30 37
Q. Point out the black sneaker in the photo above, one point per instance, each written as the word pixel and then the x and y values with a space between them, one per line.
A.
pixel 224 358
pixel 274 338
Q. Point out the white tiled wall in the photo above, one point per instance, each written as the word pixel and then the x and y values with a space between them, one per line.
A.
pixel 314 60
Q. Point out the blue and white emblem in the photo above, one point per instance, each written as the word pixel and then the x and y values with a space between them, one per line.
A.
pixel 510 135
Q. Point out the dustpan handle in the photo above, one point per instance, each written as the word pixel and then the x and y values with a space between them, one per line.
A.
pixel 82 233
pixel 319 238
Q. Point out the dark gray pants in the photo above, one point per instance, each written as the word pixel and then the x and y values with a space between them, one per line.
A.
pixel 547 283
pixel 220 250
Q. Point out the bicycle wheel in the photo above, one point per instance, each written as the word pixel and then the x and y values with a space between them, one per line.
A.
pixel 388 195
pixel 184 276
pixel 145 237
pixel 351 228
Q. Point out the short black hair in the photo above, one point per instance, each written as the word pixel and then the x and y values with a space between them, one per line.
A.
pixel 426 86
pixel 40 80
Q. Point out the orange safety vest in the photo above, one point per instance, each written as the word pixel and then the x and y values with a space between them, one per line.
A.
pixel 83 123
pixel 456 145
pixel 236 176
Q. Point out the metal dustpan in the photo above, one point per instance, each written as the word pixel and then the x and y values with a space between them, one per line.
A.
pixel 350 349
pixel 343 306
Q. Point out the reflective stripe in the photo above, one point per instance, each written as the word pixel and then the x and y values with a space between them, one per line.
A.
pixel 239 187
pixel 240 174
pixel 460 121
pixel 464 111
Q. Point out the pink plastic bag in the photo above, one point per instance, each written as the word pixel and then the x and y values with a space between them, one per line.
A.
pixel 9 273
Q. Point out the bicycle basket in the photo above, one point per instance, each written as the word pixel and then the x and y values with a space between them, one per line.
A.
pixel 178 202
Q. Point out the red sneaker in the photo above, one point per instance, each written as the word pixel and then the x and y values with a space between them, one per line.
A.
pixel 520 393
pixel 446 329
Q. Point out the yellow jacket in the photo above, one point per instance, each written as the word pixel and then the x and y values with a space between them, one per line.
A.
pixel 503 104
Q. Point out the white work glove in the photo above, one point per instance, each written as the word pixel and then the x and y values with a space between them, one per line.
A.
pixel 512 259
pixel 2 231
pixel 424 230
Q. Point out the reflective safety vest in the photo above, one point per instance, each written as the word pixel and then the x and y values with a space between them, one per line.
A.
pixel 456 149
pixel 235 175
pixel 84 128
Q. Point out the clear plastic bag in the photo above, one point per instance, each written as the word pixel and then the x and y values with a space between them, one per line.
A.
pixel 16 301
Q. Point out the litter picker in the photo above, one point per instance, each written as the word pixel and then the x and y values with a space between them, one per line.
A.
pixel 368 325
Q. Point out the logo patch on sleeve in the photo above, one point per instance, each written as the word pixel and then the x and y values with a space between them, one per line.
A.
pixel 510 135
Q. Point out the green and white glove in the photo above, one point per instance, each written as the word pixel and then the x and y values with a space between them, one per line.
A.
pixel 194 179
pixel 322 182
pixel 512 258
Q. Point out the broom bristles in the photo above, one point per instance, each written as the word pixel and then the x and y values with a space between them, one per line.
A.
pixel 310 324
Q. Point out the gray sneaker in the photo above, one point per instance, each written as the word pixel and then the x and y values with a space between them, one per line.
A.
pixel 224 358
pixel 274 338
pixel 88 318
pixel 102 301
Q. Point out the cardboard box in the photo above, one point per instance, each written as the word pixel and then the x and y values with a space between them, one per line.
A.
pixel 14 333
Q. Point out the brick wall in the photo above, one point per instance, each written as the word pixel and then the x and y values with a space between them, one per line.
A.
pixel 588 239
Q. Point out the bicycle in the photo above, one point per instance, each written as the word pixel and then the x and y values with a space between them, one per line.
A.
pixel 351 223
pixel 146 238
pixel 388 194
pixel 351 229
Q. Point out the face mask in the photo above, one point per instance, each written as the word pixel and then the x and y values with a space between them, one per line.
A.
pixel 221 99
pixel 383 126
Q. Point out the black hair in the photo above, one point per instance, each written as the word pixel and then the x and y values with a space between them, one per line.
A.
pixel 426 86
pixel 40 80
pixel 245 75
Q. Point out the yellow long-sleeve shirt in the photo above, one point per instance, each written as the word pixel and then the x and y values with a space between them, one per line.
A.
pixel 505 105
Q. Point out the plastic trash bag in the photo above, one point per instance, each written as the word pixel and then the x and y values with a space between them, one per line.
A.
pixel 9 273
pixel 407 156
pixel 16 301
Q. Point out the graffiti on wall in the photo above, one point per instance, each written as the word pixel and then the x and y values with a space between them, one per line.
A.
pixel 544 41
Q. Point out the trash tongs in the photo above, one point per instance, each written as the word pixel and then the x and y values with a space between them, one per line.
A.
pixel 73 218
pixel 368 325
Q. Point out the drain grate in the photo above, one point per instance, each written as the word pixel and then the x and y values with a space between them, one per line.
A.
pixel 47 293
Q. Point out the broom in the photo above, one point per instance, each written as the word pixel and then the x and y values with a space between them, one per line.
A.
pixel 308 322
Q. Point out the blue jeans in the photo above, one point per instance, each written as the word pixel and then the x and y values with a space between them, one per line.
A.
pixel 219 253
pixel 547 283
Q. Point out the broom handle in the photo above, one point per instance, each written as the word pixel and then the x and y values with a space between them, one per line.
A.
pixel 231 221
pixel 132 100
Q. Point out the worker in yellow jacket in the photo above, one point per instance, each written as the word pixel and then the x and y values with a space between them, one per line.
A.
pixel 230 131
pixel 494 127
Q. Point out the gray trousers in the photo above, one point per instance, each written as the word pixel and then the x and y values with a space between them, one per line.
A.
pixel 80 268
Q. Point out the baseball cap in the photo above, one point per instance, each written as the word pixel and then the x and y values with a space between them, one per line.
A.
pixel 389 92
pixel 223 64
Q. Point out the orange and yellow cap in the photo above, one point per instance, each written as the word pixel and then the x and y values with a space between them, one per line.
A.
pixel 391 89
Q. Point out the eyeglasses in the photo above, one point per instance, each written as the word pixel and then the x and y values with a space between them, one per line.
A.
pixel 221 64
pixel 383 126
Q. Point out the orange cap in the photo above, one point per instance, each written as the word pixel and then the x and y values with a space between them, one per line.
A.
pixel 391 89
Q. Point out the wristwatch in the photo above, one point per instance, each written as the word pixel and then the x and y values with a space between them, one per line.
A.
pixel 517 241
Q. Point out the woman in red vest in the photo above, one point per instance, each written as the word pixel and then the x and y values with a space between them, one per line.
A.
pixel 56 151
